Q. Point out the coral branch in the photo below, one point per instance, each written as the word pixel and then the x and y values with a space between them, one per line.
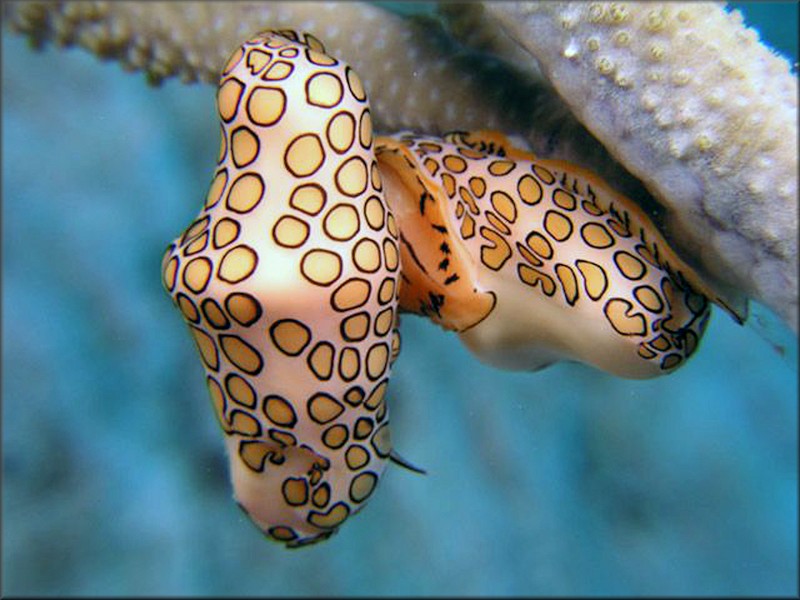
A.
pixel 689 101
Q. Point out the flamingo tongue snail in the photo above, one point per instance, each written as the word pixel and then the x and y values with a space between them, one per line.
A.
pixel 314 235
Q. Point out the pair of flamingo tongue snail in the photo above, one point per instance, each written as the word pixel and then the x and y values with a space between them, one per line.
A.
pixel 315 234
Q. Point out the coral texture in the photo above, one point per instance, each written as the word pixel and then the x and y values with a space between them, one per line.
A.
pixel 689 101
pixel 682 95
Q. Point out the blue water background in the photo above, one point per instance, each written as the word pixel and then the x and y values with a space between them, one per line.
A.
pixel 567 481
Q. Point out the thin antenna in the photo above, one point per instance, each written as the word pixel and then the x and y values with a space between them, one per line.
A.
pixel 399 460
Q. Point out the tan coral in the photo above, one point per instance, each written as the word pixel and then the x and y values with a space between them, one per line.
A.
pixel 689 101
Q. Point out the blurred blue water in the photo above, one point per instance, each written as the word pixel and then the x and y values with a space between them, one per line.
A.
pixel 566 481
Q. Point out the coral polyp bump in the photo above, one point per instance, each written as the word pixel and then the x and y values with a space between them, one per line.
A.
pixel 315 234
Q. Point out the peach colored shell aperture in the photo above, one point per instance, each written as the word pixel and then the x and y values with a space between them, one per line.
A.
pixel 314 234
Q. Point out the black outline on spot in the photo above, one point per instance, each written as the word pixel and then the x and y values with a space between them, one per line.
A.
pixel 383 383
pixel 434 169
pixel 394 290
pixel 496 222
pixel 213 343
pixel 243 444
pixel 358 365
pixel 248 63
pixel 208 279
pixel 316 283
pixel 280 322
pixel 343 285
pixel 243 87
pixel 550 233
pixel 377 199
pixel 311 355
pixel 256 203
pixel 222 171
pixel 222 262
pixel 637 259
pixel 228 69
pixel 288 151
pixel 314 76
pixel 664 366
pixel 651 259
pixel 342 327
pixel 528 255
pixel 278 63
pixel 225 336
pixel 468 199
pixel 602 227
pixel 233 239
pixel 519 192
pixel 564 286
pixel 171 286
pixel 369 145
pixel 328 131
pixel 364 240
pixel 485 231
pixel 595 211
pixel 542 277
pixel 275 435
pixel 308 185
pixel 655 293
pixel 347 72
pixel 327 432
pixel 504 162
pixel 266 400
pixel 355 388
pixel 221 415
pixel 271 533
pixel 216 305
pixel 178 297
pixel 283 244
pixel 233 154
pixel 627 314
pixel 185 251
pixel 510 201
pixel 185 240
pixel 396 254
pixel 372 441
pixel 456 158
pixel 325 222
pixel 586 278
pixel 350 494
pixel 289 52
pixel 361 465
pixel 483 183
pixel 368 420
pixel 385 363
pixel 257 304
pixel 315 513
pixel 326 396
pixel 255 121
pixel 378 318
pixel 536 166
pixel 366 177
pixel 445 177
pixel 230 376
pixel 285 496
pixel 322 487
pixel 236 411
pixel 538 235
pixel 624 230
pixel 309 50
pixel 572 196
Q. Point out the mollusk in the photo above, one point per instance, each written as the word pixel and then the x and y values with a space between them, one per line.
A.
pixel 314 235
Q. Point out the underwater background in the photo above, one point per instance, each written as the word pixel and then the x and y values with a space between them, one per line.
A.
pixel 563 482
